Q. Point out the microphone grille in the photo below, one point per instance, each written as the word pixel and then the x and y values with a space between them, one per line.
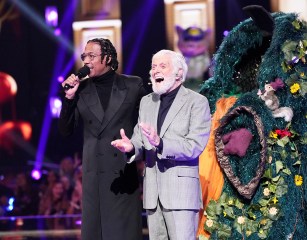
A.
pixel 84 71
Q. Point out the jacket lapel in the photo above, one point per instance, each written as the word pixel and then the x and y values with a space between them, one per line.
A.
pixel 118 95
pixel 179 101
pixel 155 110
pixel 91 99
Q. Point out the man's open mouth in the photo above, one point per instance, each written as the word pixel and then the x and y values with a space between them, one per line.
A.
pixel 159 79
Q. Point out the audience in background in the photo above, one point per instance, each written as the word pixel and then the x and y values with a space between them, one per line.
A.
pixel 5 193
pixel 58 192
pixel 54 201
pixel 26 196
pixel 67 168
pixel 47 183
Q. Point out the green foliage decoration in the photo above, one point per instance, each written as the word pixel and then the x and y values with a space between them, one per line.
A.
pixel 277 209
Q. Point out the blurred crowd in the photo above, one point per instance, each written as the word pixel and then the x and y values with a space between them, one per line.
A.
pixel 57 193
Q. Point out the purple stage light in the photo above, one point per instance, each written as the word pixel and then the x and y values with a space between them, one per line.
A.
pixel 36 174
pixel 60 79
pixel 225 33
pixel 51 16
pixel 78 222
pixel 57 32
pixel 55 106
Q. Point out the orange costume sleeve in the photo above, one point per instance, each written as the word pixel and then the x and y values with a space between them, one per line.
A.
pixel 210 173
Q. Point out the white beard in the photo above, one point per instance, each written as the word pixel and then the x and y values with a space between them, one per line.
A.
pixel 162 87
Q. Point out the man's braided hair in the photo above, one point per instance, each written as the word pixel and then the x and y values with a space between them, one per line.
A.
pixel 107 49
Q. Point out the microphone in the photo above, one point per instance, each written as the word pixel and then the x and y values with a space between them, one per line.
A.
pixel 83 72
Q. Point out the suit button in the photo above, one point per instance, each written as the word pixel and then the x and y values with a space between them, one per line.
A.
pixel 99 137
pixel 90 122
pixel 115 154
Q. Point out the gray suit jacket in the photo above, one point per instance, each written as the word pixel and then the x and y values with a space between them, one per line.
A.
pixel 172 175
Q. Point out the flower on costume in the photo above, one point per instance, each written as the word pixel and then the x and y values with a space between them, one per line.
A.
pixel 294 88
pixel 298 179
pixel 241 220
pixel 273 211
pixel 283 133
pixel 209 223
pixel 266 192
pixel 263 222
pixel 273 134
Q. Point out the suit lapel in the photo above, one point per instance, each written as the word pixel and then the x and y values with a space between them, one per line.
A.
pixel 155 110
pixel 91 99
pixel 179 101
pixel 118 95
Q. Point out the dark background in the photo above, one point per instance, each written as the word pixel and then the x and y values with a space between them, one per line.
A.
pixel 29 55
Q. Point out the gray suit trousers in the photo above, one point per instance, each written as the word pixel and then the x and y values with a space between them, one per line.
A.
pixel 164 224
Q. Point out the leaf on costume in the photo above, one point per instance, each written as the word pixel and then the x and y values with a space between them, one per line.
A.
pixel 296 24
pixel 238 204
pixel 303 139
pixel 202 237
pixel 297 163
pixel 286 171
pixel 283 154
pixel 238 227
pixel 280 143
pixel 281 190
pixel 263 202
pixel 292 79
pixel 263 234
pixel 268 173
pixel 303 89
pixel 213 208
pixel 224 232
pixel 251 226
pixel 223 199
pixel 292 146
pixel 229 212
pixel 276 179
pixel 289 48
pixel 279 166
pixel 272 188
pixel 268 224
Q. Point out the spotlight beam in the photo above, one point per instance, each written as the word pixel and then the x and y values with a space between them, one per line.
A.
pixel 146 12
pixel 40 23
pixel 19 141
pixel 54 86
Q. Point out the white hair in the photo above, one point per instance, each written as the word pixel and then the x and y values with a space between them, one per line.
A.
pixel 178 61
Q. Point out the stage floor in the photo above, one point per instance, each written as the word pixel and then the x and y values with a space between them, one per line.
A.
pixel 65 227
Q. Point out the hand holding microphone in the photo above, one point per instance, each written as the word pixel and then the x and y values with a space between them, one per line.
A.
pixel 83 72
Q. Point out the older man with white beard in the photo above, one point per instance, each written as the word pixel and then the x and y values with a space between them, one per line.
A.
pixel 172 131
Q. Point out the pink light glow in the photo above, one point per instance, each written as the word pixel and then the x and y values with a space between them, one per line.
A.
pixel 36 174
pixel 60 79
pixel 51 16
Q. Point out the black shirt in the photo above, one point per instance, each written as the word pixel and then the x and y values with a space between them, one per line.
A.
pixel 166 102
pixel 104 85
